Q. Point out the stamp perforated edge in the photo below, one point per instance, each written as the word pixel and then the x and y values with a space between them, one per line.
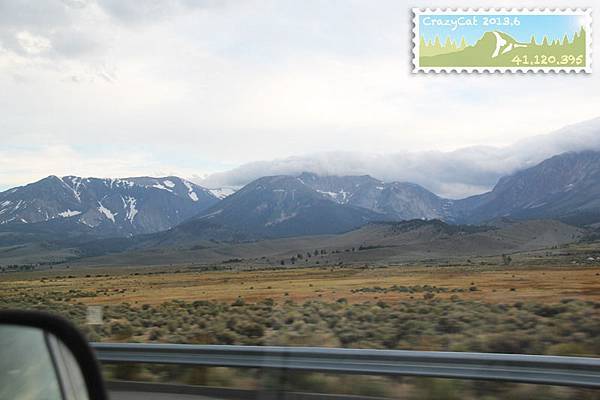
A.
pixel 539 11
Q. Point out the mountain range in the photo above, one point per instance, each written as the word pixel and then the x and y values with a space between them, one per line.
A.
pixel 285 206
pixel 172 211
pixel 104 207
pixel 565 187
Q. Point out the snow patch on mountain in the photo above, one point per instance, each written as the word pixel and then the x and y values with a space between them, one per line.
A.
pixel 161 187
pixel 107 213
pixel 222 192
pixel 339 197
pixel 333 195
pixel 128 182
pixel 130 209
pixel 75 193
pixel 68 213
pixel 190 189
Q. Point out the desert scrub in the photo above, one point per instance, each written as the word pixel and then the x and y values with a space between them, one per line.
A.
pixel 121 330
pixel 412 289
pixel 567 327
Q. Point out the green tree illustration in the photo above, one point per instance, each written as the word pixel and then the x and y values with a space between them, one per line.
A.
pixel 437 44
pixel 579 41
pixel 449 45
pixel 532 41
pixel 545 42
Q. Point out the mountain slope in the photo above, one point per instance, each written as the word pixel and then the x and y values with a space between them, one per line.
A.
pixel 276 206
pixel 397 200
pixel 117 207
pixel 378 242
pixel 565 187
pixel 422 239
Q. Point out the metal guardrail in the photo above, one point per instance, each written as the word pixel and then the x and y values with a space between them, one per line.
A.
pixel 548 370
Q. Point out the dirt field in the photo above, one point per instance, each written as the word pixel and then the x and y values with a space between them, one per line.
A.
pixel 150 286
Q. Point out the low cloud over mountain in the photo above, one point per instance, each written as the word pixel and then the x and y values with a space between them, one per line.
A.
pixel 454 174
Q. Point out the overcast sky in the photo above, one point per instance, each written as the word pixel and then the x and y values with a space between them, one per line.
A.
pixel 115 88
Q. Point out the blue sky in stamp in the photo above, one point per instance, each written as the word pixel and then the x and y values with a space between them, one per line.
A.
pixel 553 26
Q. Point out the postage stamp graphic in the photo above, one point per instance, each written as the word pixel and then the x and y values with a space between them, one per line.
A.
pixel 502 40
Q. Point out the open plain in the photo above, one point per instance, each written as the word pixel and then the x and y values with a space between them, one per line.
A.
pixel 493 284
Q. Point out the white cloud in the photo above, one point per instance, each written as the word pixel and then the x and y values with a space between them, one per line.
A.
pixel 33 44
pixel 204 84
pixel 454 174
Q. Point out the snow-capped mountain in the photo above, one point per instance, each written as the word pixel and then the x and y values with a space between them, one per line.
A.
pixel 275 206
pixel 565 187
pixel 396 200
pixel 106 206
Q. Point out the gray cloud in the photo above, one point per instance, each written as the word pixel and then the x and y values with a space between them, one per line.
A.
pixel 53 23
pixel 73 44
pixel 77 4
pixel 454 174
pixel 30 13
pixel 73 29
pixel 134 11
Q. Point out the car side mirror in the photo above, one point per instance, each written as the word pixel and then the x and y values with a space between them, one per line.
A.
pixel 43 356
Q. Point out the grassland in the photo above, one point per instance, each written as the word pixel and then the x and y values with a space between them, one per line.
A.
pixel 491 284
pixel 542 303
pixel 538 310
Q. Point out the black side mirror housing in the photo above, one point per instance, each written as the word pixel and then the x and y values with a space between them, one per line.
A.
pixel 44 356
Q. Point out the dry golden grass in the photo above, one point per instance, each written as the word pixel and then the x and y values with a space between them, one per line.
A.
pixel 494 284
